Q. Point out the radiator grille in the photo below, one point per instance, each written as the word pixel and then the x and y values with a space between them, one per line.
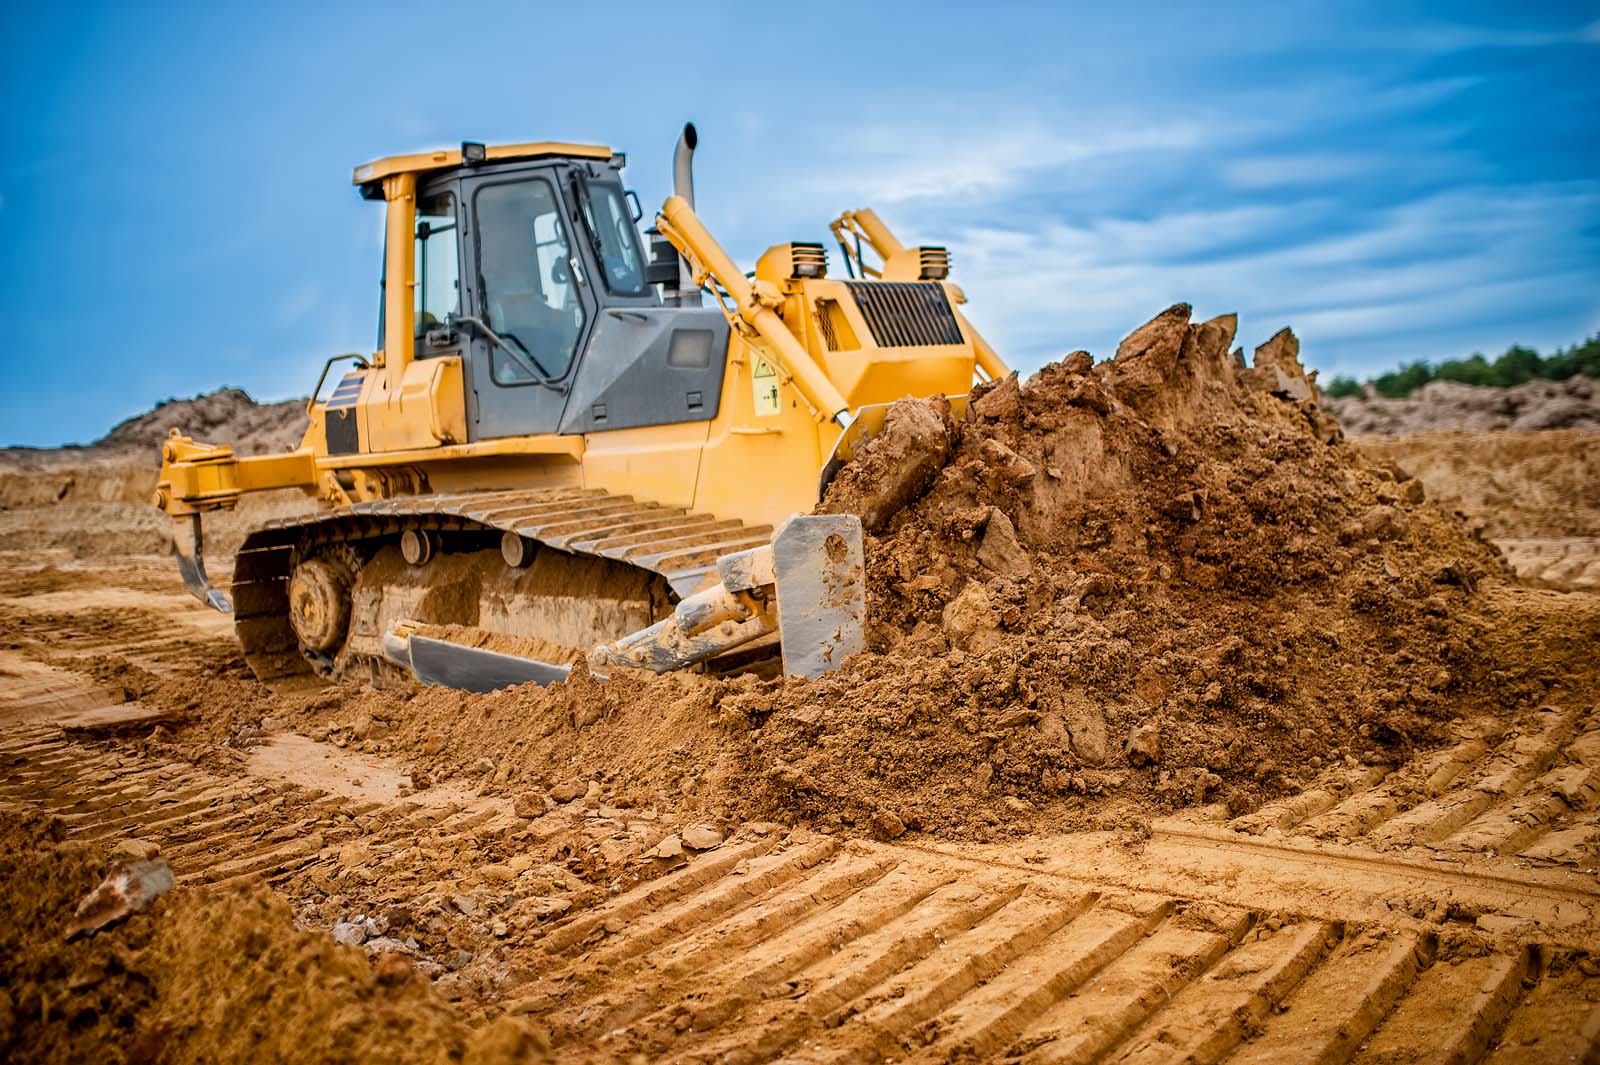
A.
pixel 906 314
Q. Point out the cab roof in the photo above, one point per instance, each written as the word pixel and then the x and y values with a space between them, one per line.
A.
pixel 495 153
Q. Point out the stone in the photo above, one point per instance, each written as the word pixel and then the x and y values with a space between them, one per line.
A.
pixel 670 847
pixel 1011 466
pixel 1001 552
pixel 497 873
pixel 970 618
pixel 483 765
pixel 527 806
pixel 1079 362
pixel 134 849
pixel 1413 492
pixel 895 466
pixel 1161 337
pixel 420 780
pixel 464 906
pixel 1087 733
pixel 129 889
pixel 1144 745
pixel 361 726
pixel 459 960
pixel 886 824
pixel 350 933
pixel 433 745
pixel 1003 402
pixel 1016 805
pixel 593 792
pixel 1278 369
pixel 701 837
pixel 567 792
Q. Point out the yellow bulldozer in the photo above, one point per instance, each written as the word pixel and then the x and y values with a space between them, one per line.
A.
pixel 558 450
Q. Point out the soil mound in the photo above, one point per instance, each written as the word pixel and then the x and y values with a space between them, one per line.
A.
pixel 1114 590
pixel 226 416
pixel 1443 406
pixel 204 976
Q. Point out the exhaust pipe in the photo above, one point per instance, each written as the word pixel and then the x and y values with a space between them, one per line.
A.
pixel 683 185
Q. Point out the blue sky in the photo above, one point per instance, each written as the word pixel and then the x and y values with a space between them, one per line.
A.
pixel 1395 180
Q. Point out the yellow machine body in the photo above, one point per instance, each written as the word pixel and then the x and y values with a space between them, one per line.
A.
pixel 801 357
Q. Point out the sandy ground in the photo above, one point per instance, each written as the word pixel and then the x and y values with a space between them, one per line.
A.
pixel 1365 830
pixel 1391 913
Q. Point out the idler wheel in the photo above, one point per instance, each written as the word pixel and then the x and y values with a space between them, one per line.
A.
pixel 416 546
pixel 319 604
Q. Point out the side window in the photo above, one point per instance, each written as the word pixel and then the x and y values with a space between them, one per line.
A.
pixel 616 241
pixel 438 288
pixel 530 300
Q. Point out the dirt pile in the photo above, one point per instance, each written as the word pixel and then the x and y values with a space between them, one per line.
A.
pixel 1445 406
pixel 1117 589
pixel 226 416
pixel 1536 495
pixel 203 976
pixel 94 500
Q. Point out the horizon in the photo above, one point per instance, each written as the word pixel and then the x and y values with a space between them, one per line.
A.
pixel 1395 183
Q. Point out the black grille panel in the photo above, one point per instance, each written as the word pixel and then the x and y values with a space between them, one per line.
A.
pixel 906 314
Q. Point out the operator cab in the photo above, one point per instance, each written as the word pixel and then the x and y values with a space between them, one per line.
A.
pixel 529 267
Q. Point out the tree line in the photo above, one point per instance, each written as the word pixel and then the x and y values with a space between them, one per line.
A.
pixel 1517 366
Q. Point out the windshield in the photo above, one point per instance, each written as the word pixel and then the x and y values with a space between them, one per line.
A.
pixel 524 259
pixel 616 241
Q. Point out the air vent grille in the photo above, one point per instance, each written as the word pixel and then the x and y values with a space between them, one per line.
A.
pixel 906 314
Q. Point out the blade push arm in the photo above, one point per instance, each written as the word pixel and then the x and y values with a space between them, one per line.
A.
pixel 753 312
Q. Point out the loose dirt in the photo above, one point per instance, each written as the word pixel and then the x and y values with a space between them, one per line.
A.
pixel 1186 730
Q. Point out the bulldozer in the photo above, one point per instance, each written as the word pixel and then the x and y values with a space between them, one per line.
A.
pixel 577 441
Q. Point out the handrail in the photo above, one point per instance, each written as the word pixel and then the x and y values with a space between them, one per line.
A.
pixel 361 361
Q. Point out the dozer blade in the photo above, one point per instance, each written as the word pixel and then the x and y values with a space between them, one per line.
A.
pixel 808 584
pixel 473 669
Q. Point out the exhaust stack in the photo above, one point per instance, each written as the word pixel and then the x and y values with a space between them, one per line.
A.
pixel 683 185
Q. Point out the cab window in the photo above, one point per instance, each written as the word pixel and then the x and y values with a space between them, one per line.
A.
pixel 616 241
pixel 525 262
pixel 438 288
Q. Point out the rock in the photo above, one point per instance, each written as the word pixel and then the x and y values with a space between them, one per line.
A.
pixel 459 960
pixel 592 792
pixel 567 792
pixel 387 945
pixel 1087 733
pixel 134 849
pixel 1278 370
pixel 483 765
pixel 361 726
pixel 969 618
pixel 420 780
pixel 1161 337
pixel 497 873
pixel 464 906
pixel 1079 362
pixel 1011 467
pixel 1001 552
pixel 527 806
pixel 670 847
pixel 350 933
pixel 1016 805
pixel 894 467
pixel 433 745
pixel 1413 492
pixel 520 863
pixel 128 890
pixel 1382 523
pixel 1144 744
pixel 701 837
pixel 886 824
pixel 1003 402
pixel 1501 924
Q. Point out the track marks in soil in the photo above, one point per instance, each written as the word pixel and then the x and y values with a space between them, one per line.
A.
pixel 1528 790
pixel 819 951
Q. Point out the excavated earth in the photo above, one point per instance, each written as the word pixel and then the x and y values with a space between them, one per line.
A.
pixel 1188 731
